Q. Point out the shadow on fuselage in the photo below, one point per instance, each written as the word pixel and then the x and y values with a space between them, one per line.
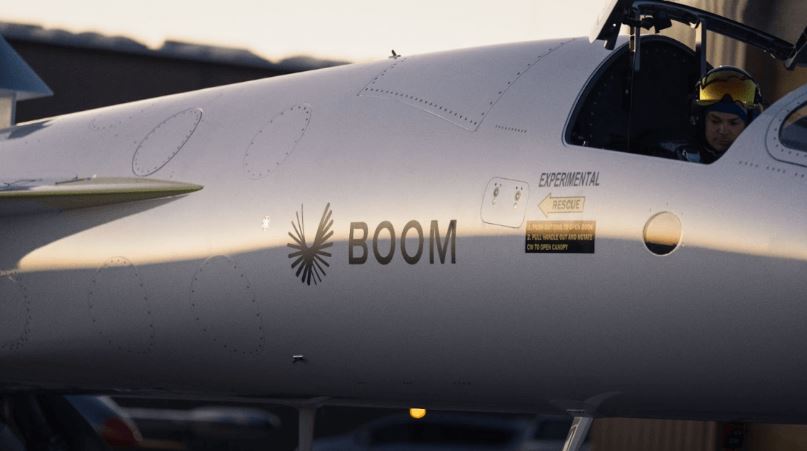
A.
pixel 23 234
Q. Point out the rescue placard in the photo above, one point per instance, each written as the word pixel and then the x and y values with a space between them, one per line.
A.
pixel 560 237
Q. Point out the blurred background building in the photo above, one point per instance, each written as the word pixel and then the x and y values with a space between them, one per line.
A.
pixel 785 19
pixel 89 70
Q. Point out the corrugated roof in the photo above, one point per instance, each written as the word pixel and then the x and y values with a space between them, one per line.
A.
pixel 170 49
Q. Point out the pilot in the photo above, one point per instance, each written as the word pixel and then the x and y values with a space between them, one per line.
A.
pixel 726 100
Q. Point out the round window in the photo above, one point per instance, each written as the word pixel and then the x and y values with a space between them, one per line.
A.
pixel 662 233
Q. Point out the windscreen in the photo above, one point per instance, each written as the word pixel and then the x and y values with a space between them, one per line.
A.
pixel 784 19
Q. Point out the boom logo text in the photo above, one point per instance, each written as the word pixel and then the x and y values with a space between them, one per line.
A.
pixel 385 242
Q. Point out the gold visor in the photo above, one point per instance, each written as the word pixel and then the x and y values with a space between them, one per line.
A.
pixel 715 87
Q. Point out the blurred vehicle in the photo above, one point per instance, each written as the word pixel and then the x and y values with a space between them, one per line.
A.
pixel 111 422
pixel 209 427
pixel 444 431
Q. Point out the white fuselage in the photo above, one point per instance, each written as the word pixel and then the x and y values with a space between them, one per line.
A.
pixel 196 295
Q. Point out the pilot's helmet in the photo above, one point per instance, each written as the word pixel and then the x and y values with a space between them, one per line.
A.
pixel 729 89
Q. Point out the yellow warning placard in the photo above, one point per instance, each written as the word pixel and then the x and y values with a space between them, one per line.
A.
pixel 572 237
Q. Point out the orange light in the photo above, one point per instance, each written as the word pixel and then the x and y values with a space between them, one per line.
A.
pixel 417 413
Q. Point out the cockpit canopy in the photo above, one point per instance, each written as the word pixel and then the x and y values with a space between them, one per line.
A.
pixel 784 37
pixel 641 98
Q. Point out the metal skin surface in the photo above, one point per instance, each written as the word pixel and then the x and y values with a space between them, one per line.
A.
pixel 196 296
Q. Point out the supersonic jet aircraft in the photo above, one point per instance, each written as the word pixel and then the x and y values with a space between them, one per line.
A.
pixel 469 230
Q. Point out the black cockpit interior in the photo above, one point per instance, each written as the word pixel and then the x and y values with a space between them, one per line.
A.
pixel 626 110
